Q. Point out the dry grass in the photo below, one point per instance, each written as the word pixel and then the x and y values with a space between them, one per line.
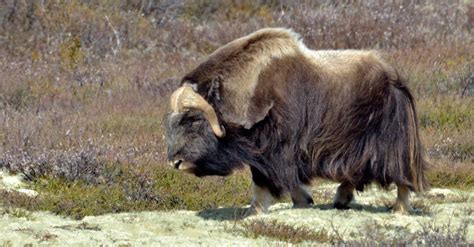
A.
pixel 371 234
pixel 84 87
pixel 283 232
pixel 430 234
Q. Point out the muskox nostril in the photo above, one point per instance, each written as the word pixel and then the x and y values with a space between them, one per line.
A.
pixel 176 163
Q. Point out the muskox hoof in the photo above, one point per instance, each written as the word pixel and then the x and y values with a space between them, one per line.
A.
pixel 344 196
pixel 301 197
pixel 252 210
pixel 402 205
pixel 304 204
pixel 402 209
pixel 343 202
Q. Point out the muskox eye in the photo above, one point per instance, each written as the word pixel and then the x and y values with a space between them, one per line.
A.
pixel 196 124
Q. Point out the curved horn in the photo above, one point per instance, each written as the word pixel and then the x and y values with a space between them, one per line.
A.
pixel 185 98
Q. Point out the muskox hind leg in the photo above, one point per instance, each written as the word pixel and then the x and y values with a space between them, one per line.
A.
pixel 402 205
pixel 344 195
pixel 301 197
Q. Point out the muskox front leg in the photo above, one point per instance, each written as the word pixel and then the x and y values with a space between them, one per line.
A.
pixel 262 199
pixel 344 195
pixel 402 205
pixel 301 197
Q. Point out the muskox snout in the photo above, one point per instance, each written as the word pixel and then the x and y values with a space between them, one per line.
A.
pixel 181 165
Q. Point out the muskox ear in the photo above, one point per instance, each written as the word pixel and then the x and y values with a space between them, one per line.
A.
pixel 213 92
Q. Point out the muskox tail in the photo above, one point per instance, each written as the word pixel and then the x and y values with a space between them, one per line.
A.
pixel 407 164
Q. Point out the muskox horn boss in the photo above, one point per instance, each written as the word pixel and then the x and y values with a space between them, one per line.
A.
pixel 184 98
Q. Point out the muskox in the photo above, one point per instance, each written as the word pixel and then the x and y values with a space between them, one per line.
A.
pixel 292 114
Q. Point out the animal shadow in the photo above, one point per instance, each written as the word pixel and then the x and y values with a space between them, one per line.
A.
pixel 351 206
pixel 224 214
pixel 236 213
pixel 377 209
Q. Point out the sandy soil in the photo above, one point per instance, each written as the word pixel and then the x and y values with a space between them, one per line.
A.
pixel 217 227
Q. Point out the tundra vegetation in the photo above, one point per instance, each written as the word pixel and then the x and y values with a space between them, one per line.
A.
pixel 85 84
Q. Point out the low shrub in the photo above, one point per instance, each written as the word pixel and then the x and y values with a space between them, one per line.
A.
pixel 284 232
pixel 125 189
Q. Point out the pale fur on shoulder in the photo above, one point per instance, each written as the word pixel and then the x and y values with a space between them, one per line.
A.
pixel 255 52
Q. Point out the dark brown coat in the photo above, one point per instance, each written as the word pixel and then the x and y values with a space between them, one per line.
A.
pixel 293 114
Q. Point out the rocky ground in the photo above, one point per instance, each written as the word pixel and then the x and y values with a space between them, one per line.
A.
pixel 440 215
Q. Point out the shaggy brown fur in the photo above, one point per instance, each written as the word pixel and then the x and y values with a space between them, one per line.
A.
pixel 292 114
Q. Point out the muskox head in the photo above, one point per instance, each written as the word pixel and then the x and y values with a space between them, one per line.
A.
pixel 192 130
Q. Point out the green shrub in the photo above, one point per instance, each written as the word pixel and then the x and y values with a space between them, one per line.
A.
pixel 460 178
pixel 446 114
